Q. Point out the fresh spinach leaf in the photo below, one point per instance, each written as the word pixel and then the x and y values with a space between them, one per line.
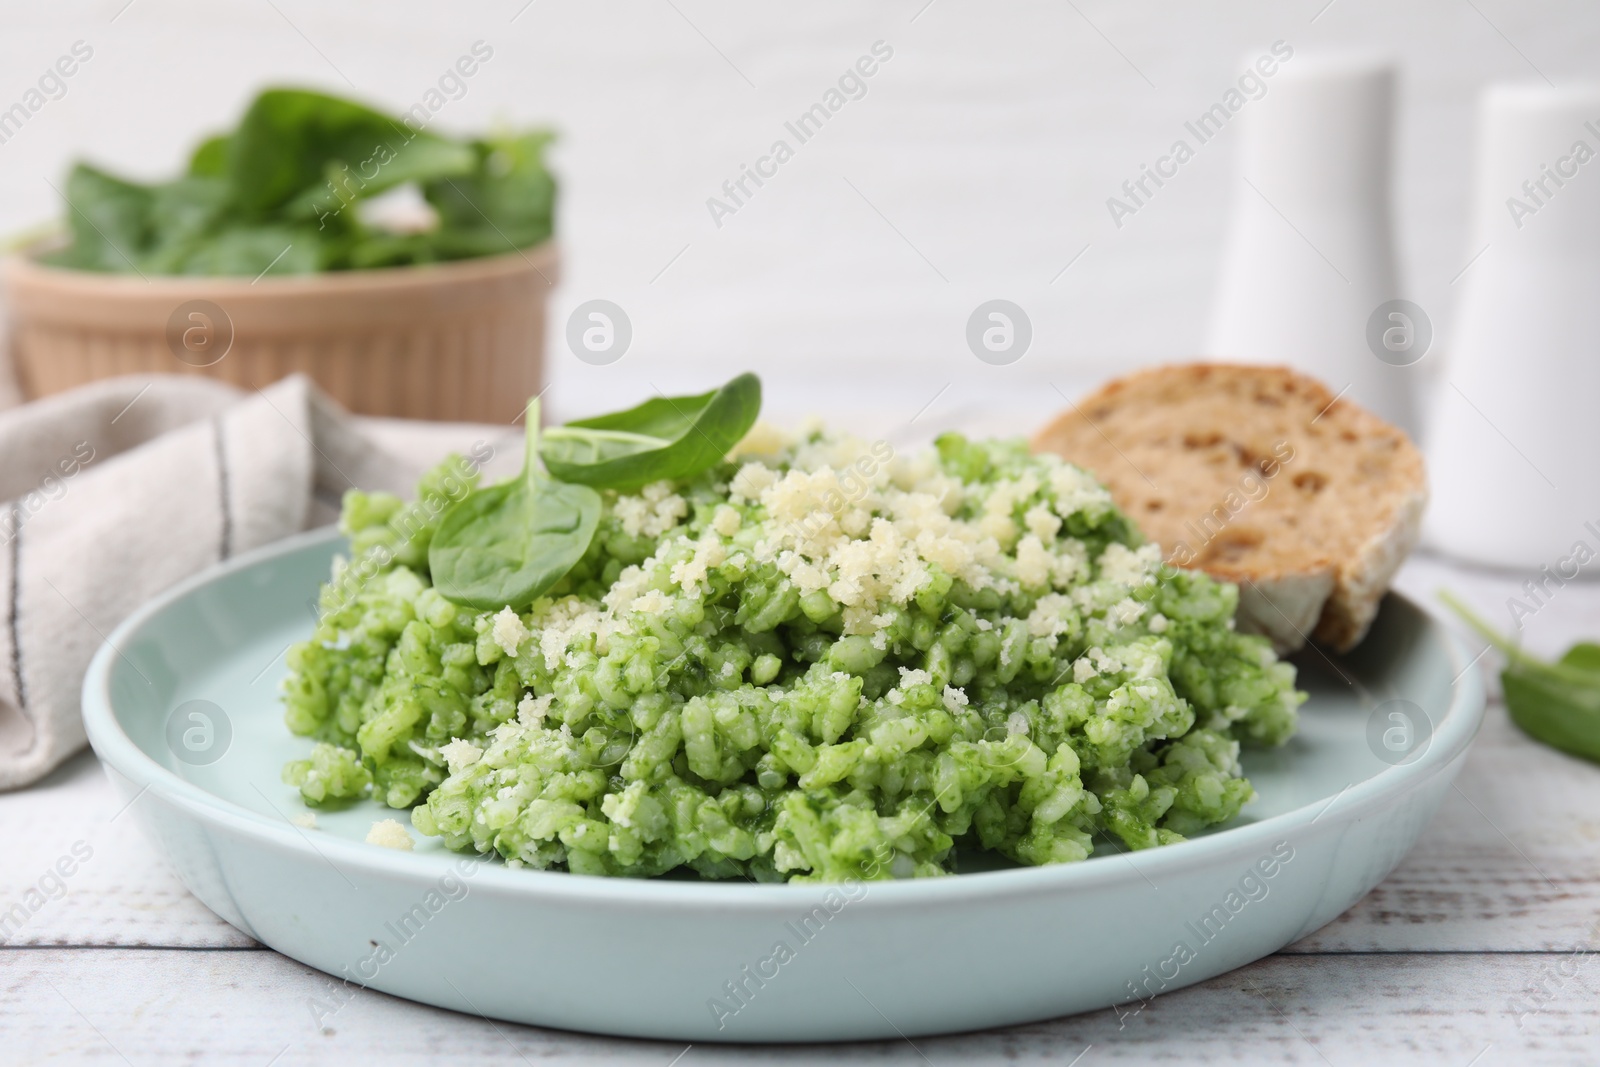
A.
pixel 668 437
pixel 391 250
pixel 1584 656
pixel 250 250
pixel 1560 711
pixel 109 220
pixel 292 144
pixel 1556 703
pixel 506 203
pixel 279 192
pixel 210 157
pixel 184 211
pixel 507 544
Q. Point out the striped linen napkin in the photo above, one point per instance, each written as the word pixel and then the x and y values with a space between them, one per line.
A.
pixel 117 490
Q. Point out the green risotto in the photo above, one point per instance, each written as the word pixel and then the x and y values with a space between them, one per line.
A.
pixel 816 660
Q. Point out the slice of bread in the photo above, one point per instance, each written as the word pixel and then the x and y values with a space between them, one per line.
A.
pixel 1259 476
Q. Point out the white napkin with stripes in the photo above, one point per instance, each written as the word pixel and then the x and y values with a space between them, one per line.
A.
pixel 117 490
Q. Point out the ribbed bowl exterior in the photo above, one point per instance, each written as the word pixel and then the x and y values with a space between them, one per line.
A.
pixel 458 341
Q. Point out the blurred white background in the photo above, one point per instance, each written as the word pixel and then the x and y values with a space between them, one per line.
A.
pixel 977 165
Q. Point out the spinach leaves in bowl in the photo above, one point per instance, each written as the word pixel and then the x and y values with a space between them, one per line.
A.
pixel 280 193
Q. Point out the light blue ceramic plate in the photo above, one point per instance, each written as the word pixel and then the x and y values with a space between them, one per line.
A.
pixel 739 962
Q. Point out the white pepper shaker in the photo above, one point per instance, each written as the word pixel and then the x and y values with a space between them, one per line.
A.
pixel 1514 435
pixel 1309 255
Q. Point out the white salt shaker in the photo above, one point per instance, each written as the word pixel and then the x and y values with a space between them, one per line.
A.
pixel 1514 432
pixel 1309 257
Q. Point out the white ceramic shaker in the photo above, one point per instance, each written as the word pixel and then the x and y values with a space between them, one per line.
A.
pixel 1309 255
pixel 1514 430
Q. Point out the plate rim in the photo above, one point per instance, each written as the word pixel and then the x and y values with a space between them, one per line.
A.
pixel 117 751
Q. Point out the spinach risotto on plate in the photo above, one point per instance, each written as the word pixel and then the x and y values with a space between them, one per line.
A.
pixel 675 641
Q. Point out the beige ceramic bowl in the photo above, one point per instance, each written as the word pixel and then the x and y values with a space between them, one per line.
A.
pixel 456 341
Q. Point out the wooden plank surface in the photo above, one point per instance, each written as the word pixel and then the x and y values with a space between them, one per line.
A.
pixel 250 1007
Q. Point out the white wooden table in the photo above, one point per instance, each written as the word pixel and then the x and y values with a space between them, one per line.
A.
pixel 1476 951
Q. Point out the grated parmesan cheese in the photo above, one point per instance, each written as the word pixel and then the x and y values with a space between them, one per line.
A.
pixel 1051 616
pixel 690 573
pixel 1076 490
pixel 909 678
pixel 390 834
pixel 509 633
pixel 763 439
pixel 655 510
pixel 459 755
pixel 1126 611
pixel 531 710
pixel 1127 566
pixel 752 480
pixel 725 520
pixel 1042 522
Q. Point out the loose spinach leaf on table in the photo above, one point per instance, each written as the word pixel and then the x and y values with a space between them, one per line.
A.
pixel 1557 703
pixel 668 437
pixel 507 544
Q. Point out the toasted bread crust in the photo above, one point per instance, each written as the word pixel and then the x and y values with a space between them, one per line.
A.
pixel 1259 476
